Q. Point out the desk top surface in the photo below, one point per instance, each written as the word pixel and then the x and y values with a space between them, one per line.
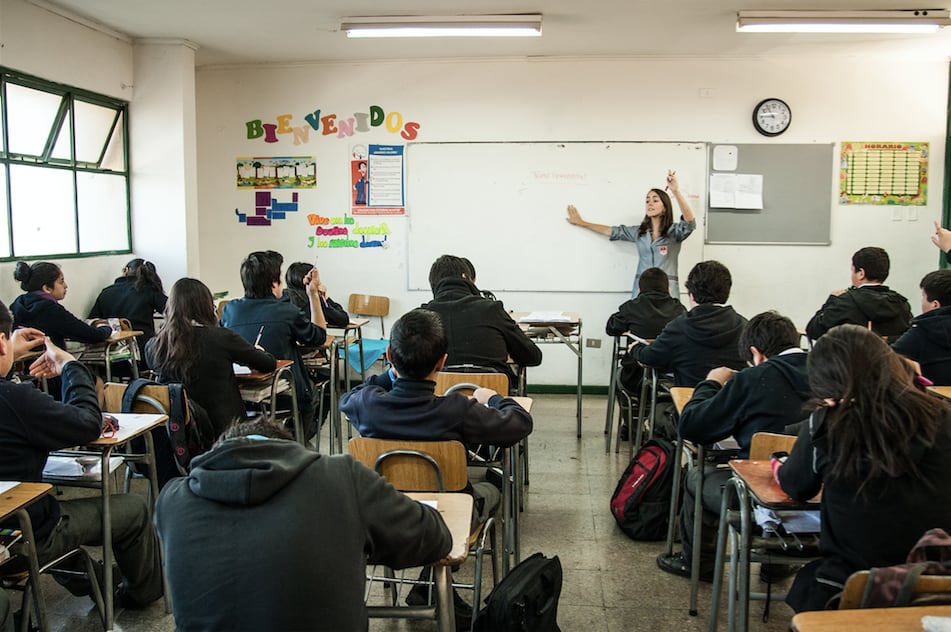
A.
pixel 758 476
pixel 456 512
pixel 681 395
pixel 355 323
pixel 131 425
pixel 258 375
pixel 20 496
pixel 943 391
pixel 867 619
pixel 546 318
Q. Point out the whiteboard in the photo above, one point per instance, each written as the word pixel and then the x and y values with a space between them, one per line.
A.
pixel 502 205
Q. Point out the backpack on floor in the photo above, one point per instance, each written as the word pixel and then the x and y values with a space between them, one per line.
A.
pixel 526 600
pixel 641 501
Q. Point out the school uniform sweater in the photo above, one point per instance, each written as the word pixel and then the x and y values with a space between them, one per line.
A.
pixel 645 316
pixel 763 398
pixel 123 300
pixel 40 310
pixel 928 342
pixel 888 311
pixel 690 345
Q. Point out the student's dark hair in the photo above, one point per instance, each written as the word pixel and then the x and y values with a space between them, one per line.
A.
pixel 770 332
pixel 36 276
pixel 259 425
pixel 6 320
pixel 145 275
pixel 880 413
pixel 294 280
pixel 709 282
pixel 874 261
pixel 471 274
pixel 448 266
pixel 666 220
pixel 173 350
pixel 417 342
pixel 654 280
pixel 259 271
pixel 937 286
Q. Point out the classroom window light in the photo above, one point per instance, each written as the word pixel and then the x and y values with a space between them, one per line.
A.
pixel 515 25
pixel 832 21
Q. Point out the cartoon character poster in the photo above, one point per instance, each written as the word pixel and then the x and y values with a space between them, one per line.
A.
pixel 376 180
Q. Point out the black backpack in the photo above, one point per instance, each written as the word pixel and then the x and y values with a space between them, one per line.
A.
pixel 526 600
pixel 641 501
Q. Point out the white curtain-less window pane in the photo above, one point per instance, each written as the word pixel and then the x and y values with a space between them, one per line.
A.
pixel 61 149
pixel 114 159
pixel 30 115
pixel 42 208
pixel 92 130
pixel 103 221
pixel 4 241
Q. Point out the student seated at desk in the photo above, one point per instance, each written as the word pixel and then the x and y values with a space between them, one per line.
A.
pixel 31 425
pixel 282 327
pixel 703 338
pixel 867 302
pixel 480 331
pixel 296 293
pixel 928 340
pixel 265 534
pixel 766 397
pixel 192 349
pixel 401 404
pixel 40 308
pixel 137 295
pixel 879 448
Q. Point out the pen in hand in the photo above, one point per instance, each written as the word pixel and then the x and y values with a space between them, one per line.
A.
pixel 257 340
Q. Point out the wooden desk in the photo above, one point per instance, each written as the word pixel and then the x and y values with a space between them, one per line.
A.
pixel 355 325
pixel 258 387
pixel 681 395
pixel 15 501
pixel 565 330
pixel 867 619
pixel 122 339
pixel 131 426
pixel 941 391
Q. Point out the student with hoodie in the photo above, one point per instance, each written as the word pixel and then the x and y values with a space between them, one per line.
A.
pixel 867 302
pixel 703 338
pixel 265 534
pixel 928 341
pixel 137 295
pixel 766 397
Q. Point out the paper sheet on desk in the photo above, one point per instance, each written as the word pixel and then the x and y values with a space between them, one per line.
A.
pixel 68 467
pixel 6 486
pixel 240 370
pixel 932 623
pixel 545 317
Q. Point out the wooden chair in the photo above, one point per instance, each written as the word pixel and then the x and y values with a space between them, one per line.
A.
pixel 151 399
pixel 764 444
pixel 368 305
pixel 419 466
pixel 925 586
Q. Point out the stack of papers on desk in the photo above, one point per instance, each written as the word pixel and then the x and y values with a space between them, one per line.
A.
pixel 240 370
pixel 545 317
pixel 69 467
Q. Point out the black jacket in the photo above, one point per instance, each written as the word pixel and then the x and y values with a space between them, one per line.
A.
pixel 480 331
pixel 334 313
pixel 39 310
pixel 888 311
pixel 764 398
pixel 928 342
pixel 123 300
pixel 645 316
pixel 690 345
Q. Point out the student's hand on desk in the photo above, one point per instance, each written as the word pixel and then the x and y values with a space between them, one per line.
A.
pixel 721 375
pixel 941 237
pixel 25 340
pixel 482 395
pixel 51 363
pixel 574 217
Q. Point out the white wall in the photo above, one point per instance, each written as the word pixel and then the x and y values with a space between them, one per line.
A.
pixel 832 100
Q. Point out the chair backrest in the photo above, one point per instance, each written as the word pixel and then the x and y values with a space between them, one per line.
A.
pixel 498 382
pixel 925 585
pixel 370 305
pixel 396 462
pixel 151 399
pixel 765 443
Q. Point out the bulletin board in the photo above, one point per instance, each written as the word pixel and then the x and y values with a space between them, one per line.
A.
pixel 503 206
pixel 797 194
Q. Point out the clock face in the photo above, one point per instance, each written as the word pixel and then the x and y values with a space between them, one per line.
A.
pixel 771 117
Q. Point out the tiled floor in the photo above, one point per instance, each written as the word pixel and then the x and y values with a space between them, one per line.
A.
pixel 611 583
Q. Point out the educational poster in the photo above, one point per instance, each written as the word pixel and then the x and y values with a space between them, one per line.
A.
pixel 277 172
pixel 884 173
pixel 345 231
pixel 377 180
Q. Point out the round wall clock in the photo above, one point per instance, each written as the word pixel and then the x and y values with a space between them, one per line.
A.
pixel 771 117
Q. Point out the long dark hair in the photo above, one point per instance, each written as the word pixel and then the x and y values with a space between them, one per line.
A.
pixel 666 220
pixel 880 413
pixel 175 351
pixel 145 275
pixel 294 279
pixel 37 276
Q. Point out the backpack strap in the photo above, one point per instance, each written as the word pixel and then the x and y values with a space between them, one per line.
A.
pixel 132 391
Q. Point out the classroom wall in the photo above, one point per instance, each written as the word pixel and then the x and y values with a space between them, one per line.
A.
pixel 832 100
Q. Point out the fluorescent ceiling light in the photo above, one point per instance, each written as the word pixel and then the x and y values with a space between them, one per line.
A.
pixel 822 21
pixel 519 25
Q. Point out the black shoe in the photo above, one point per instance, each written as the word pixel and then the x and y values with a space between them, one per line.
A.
pixel 773 573
pixel 678 564
pixel 463 612
pixel 124 600
pixel 624 432
pixel 418 595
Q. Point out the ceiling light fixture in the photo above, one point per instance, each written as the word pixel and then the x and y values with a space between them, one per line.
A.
pixel 518 25
pixel 832 21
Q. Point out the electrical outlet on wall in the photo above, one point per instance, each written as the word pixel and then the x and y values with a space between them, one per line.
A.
pixel 593 343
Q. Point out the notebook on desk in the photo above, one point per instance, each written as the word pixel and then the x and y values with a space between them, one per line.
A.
pixel 67 467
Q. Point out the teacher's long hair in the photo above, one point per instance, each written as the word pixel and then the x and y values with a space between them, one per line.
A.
pixel 175 349
pixel 878 412
pixel 666 220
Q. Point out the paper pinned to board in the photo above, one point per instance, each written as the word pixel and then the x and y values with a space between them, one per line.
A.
pixel 725 157
pixel 736 190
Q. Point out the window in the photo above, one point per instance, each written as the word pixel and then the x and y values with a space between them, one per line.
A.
pixel 64 170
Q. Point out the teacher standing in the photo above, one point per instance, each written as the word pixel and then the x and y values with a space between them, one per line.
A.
pixel 657 238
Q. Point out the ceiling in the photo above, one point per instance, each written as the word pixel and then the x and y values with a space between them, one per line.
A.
pixel 283 31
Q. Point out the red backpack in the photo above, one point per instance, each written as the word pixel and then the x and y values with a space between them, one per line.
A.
pixel 641 501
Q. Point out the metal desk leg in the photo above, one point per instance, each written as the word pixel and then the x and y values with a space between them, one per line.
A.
pixel 612 392
pixel 107 555
pixel 333 418
pixel 721 557
pixel 445 613
pixel 515 460
pixel 674 495
pixel 26 526
pixel 153 496
pixel 580 365
pixel 697 526
pixel 508 536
